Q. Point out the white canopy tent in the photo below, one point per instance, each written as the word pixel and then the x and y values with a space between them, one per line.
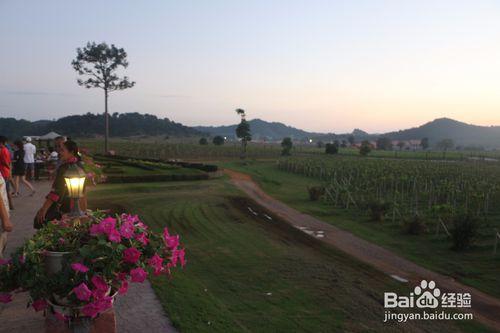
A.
pixel 49 136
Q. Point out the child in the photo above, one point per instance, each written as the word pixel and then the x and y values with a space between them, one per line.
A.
pixel 6 225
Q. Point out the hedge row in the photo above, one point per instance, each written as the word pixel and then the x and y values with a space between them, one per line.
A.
pixel 188 165
pixel 114 179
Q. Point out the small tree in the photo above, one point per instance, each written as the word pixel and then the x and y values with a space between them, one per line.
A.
pixel 445 144
pixel 331 148
pixel 464 232
pixel 243 132
pixel 343 144
pixel 203 141
pixel 384 143
pixel 365 148
pixel 99 64
pixel 287 145
pixel 401 145
pixel 320 144
pixel 218 140
pixel 424 143
pixel 351 139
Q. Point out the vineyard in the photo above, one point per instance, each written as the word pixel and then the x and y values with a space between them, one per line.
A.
pixel 426 188
pixel 165 150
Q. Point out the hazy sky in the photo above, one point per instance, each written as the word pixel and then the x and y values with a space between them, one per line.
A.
pixel 318 65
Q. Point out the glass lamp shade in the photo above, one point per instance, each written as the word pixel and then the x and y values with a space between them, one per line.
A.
pixel 75 180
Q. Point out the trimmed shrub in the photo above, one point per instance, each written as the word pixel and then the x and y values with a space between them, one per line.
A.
pixel 378 210
pixel 316 192
pixel 415 226
pixel 464 232
pixel 331 148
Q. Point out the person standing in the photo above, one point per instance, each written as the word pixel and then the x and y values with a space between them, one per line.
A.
pixel 57 202
pixel 19 169
pixel 5 225
pixel 5 165
pixel 29 158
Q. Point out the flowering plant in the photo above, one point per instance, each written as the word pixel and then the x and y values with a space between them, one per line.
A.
pixel 102 255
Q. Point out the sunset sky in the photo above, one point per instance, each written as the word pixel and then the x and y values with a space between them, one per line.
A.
pixel 317 65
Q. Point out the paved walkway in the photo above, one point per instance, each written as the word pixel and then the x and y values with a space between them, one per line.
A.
pixel 139 310
pixel 486 308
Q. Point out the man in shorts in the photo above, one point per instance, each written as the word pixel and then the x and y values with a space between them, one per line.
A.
pixel 29 158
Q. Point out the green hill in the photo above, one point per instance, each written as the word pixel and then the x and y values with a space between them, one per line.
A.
pixel 89 125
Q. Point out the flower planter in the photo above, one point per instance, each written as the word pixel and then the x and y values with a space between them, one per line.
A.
pixel 76 322
pixel 88 278
pixel 104 323
pixel 53 261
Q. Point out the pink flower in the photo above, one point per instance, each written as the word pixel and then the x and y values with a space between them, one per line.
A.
pixel 156 263
pixel 5 298
pixel 178 255
pixel 99 283
pixel 77 267
pixel 167 268
pixel 123 288
pixel 4 262
pixel 182 257
pixel 172 242
pixel 130 218
pixel 104 303
pixel 82 292
pixel 141 225
pixel 108 224
pixel 138 275
pixel 114 236
pixel 22 259
pixel 166 234
pixel 96 229
pixel 121 276
pixel 60 316
pixel 39 305
pixel 131 255
pixel 98 294
pixel 127 229
pixel 142 238
pixel 90 310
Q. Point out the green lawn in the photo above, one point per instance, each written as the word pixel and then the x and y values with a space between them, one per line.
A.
pixel 477 267
pixel 247 274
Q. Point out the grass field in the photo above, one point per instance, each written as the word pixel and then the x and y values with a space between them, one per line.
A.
pixel 245 274
pixel 477 267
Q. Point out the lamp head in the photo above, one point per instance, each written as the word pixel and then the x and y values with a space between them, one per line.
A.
pixel 75 180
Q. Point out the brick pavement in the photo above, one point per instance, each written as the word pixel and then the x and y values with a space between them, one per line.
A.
pixel 139 310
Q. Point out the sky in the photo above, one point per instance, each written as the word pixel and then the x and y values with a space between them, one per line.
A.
pixel 327 66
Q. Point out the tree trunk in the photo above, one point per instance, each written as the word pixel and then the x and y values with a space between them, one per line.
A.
pixel 244 143
pixel 106 121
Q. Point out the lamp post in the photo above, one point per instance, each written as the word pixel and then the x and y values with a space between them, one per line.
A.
pixel 75 180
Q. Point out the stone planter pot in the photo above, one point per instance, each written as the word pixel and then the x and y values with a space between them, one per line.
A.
pixel 77 322
pixel 53 261
pixel 104 323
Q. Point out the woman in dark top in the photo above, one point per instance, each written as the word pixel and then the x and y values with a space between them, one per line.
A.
pixel 19 170
pixel 57 202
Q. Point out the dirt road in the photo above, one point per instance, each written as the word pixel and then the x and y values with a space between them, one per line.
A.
pixel 486 308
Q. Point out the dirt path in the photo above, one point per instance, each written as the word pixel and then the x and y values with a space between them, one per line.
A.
pixel 138 311
pixel 486 308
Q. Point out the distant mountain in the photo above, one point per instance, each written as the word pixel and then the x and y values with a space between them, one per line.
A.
pixel 134 124
pixel 444 128
pixel 88 125
pixel 260 130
